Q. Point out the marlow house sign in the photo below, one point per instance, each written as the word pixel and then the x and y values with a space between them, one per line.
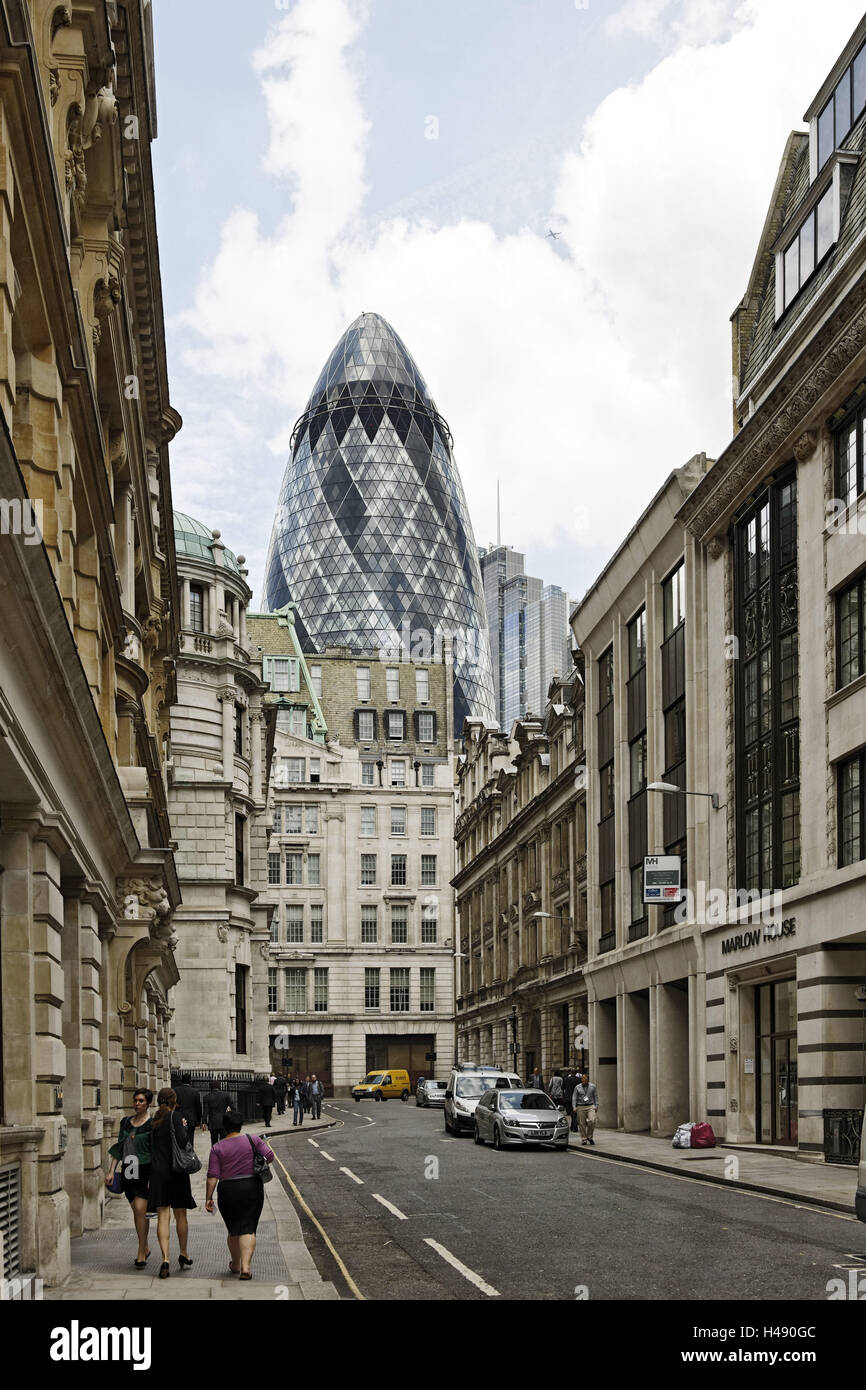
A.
pixel 773 931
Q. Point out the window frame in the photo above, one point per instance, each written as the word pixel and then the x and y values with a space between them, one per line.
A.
pixel 858 588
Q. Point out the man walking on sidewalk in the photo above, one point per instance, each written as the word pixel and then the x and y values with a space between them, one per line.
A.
pixel 586 1106
pixel 281 1086
pixel 315 1090
pixel 216 1103
pixel 189 1104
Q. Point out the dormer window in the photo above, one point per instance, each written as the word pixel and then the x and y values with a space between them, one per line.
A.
pixel 808 248
pixel 839 113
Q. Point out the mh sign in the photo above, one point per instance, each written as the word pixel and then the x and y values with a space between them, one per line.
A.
pixel 661 878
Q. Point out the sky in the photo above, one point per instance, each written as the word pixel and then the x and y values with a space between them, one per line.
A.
pixel 321 158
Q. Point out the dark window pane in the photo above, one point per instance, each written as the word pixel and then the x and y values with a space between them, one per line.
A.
pixel 638 765
pixel 825 134
pixel 859 67
pixel 675 734
pixel 824 218
pixel 790 839
pixel 673 591
pixel 847 463
pixel 790 685
pixel 842 98
pixel 850 812
pixel 637 643
pixel 792 271
pixel 849 609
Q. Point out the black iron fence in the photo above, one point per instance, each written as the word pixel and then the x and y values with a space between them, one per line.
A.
pixel 242 1086
pixel 843 1133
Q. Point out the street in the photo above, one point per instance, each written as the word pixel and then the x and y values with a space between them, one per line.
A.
pixel 415 1214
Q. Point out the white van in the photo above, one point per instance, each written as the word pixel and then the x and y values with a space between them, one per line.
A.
pixel 860 1195
pixel 466 1085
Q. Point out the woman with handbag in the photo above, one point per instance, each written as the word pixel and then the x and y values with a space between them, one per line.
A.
pixel 129 1171
pixel 170 1168
pixel 239 1163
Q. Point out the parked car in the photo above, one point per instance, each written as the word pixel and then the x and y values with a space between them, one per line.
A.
pixel 383 1085
pixel 860 1195
pixel 430 1092
pixel 518 1118
pixel 465 1088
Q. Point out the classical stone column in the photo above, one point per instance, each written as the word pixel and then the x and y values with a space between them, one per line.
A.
pixel 243 620
pixel 125 534
pixel 497 964
pixel 227 697
pixel 545 924
pixel 187 619
pixel 256 718
pixel 212 609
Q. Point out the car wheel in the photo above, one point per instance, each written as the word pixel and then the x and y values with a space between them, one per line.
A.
pixel 477 1134
pixel 405 1097
pixel 357 1100
pixel 378 1095
pixel 497 1139
pixel 447 1126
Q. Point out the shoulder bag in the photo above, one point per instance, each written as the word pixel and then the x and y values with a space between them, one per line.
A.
pixel 261 1167
pixel 184 1158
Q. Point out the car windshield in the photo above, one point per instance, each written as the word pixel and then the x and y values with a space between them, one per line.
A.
pixel 514 1100
pixel 375 1078
pixel 436 1085
pixel 472 1085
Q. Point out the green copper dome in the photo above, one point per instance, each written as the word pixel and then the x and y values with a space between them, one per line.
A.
pixel 195 540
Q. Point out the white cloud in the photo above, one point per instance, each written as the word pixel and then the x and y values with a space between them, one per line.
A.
pixel 578 372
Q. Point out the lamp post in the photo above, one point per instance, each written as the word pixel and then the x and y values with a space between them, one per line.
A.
pixel 671 787
pixel 515 1045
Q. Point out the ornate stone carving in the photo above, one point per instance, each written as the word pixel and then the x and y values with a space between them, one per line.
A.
pixel 222 931
pixel 147 898
pixel 75 170
pixel 100 110
pixel 224 627
pixel 106 296
pixel 804 447
pixel 716 547
pixel 152 629
pixel 131 646
pixel 265 950
pixel 54 84
pixel 61 19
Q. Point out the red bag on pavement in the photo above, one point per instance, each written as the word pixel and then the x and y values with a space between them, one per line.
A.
pixel 703 1137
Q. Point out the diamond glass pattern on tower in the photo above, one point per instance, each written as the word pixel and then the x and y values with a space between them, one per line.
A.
pixel 372 539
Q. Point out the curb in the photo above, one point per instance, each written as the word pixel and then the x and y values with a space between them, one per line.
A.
pixel 294 1129
pixel 819 1202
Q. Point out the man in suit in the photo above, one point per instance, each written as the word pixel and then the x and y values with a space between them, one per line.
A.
pixel 188 1104
pixel 267 1100
pixel 281 1086
pixel 216 1103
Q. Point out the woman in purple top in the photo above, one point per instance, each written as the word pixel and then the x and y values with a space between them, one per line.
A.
pixel 241 1193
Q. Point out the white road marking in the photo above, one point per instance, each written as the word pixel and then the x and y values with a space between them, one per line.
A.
pixel 353 1176
pixel 313 1142
pixel 395 1211
pixel 326 1155
pixel 462 1268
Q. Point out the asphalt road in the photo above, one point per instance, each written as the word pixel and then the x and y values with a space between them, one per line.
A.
pixel 537 1224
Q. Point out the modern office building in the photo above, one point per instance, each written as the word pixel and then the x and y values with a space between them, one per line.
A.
pixel 372 540
pixel 530 637
pixel 360 859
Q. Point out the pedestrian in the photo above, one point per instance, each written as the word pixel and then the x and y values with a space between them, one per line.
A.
pixel 241 1193
pixel 216 1103
pixel 169 1191
pixel 132 1155
pixel 568 1086
pixel 586 1105
pixel 297 1101
pixel 281 1086
pixel 189 1104
pixel 267 1100
pixel 555 1088
pixel 315 1090
pixel 308 1100
pixel 536 1081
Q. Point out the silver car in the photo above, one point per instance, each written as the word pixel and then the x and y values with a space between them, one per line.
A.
pixel 430 1093
pixel 520 1118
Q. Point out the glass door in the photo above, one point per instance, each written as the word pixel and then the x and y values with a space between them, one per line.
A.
pixel 776 1019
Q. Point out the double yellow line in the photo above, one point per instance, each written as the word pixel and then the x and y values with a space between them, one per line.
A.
pixel 322 1232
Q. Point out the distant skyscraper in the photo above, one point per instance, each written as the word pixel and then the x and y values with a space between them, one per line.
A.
pixel 530 640
pixel 372 539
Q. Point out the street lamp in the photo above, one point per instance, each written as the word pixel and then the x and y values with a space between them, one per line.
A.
pixel 670 787
pixel 515 1045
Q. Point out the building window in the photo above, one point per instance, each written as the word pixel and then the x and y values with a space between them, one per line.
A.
pixel 674 599
pixel 277 821
pixel 275 925
pixel 282 673
pixel 293 819
pixel 428 820
pixel 368 870
pixel 368 820
pixel 366 726
pixel 425 726
pixel 400 990
pixel 294 868
pixel 314 870
pixel 396 721
pixel 294 923
pixel 298 721
pixel 316 681
pixel 428 990
pixel 320 989
pixel 605 678
pixel 392 683
pixel 371 988
pixel 851 629
pixel 850 448
pixel 842 108
pixel 398 820
pixel 311 820
pixel 606 791
pixel 852 820
pixel 767 684
pixel 608 916
pixel 239 850
pixel 368 774
pixel 422 687
pixel 362 678
pixel 273 868
pixel 317 924
pixel 637 761
pixel 428 925
pixel 428 870
pixel 398 772
pixel 675 734
pixel 239 730
pixel 293 769
pixel 637 643
pixel 428 775
pixel 241 972
pixel 399 924
pixel 272 992
pixel 398 870
pixel 808 248
pixel 369 924
pixel 295 990
pixel 638 910
pixel 196 607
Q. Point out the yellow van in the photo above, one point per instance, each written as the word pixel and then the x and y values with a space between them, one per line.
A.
pixel 383 1085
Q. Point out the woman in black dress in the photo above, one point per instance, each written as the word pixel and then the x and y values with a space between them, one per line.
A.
pixel 169 1191
pixel 132 1155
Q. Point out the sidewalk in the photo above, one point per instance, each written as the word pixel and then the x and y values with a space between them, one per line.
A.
pixel 283 1268
pixel 815 1184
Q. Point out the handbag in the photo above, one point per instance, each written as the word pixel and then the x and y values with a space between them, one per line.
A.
pixel 183 1159
pixel 116 1184
pixel 261 1167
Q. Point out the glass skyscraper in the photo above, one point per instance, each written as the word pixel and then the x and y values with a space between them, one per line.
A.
pixel 530 637
pixel 372 539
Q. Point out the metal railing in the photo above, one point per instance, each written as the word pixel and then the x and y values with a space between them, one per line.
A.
pixel 843 1132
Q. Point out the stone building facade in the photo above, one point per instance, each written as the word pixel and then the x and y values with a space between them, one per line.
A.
pixel 521 887
pixel 360 858
pixel 88 614
pixel 217 765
